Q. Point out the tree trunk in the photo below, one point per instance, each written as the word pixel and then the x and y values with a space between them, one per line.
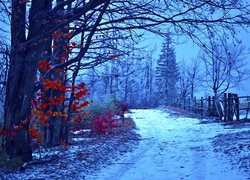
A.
pixel 21 78
pixel 19 95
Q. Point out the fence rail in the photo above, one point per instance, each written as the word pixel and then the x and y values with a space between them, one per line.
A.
pixel 230 107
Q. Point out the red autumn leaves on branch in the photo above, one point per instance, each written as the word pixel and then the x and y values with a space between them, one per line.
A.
pixel 113 56
pixel 44 106
pixel 44 65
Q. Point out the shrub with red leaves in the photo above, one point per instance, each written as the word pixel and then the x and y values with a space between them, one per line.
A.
pixel 103 124
pixel 121 108
pixel 109 120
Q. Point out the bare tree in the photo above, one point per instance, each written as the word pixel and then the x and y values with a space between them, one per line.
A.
pixel 184 83
pixel 149 77
pixel 224 66
pixel 4 65
pixel 189 78
pixel 194 76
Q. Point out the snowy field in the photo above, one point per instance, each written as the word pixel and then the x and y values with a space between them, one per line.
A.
pixel 174 147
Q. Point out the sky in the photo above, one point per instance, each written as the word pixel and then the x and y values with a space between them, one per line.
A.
pixel 188 50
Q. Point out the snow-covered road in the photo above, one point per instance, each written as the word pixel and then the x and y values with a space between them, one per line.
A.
pixel 172 147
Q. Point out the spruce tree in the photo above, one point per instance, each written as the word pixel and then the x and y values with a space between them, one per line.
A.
pixel 167 71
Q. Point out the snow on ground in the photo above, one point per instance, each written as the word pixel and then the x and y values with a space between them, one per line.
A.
pixel 81 131
pixel 174 147
pixel 171 147
pixel 86 155
pixel 235 145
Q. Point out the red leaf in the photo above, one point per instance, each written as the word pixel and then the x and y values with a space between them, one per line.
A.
pixel 44 105
pixel 68 35
pixel 52 101
pixel 33 132
pixel 58 34
pixel 73 44
pixel 44 65
pixel 113 56
pixel 77 119
pixel 86 103
pixel 74 107
pixel 44 118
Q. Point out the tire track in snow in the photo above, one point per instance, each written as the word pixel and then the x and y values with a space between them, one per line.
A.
pixel 172 148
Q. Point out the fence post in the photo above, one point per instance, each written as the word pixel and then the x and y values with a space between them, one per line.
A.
pixel 229 111
pixel 248 105
pixel 202 106
pixel 237 109
pixel 184 103
pixel 189 104
pixel 194 106
pixel 214 109
pixel 209 106
pixel 225 107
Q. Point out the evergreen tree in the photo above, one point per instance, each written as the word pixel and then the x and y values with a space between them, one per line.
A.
pixel 167 71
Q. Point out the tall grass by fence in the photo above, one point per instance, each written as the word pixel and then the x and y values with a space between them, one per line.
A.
pixel 230 107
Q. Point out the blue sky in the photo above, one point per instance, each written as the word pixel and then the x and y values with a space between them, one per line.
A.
pixel 188 50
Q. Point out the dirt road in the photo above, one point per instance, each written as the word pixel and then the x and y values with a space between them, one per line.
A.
pixel 172 147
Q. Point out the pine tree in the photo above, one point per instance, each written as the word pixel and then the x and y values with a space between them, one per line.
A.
pixel 167 71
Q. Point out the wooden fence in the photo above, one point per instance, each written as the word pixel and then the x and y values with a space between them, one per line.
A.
pixel 230 107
